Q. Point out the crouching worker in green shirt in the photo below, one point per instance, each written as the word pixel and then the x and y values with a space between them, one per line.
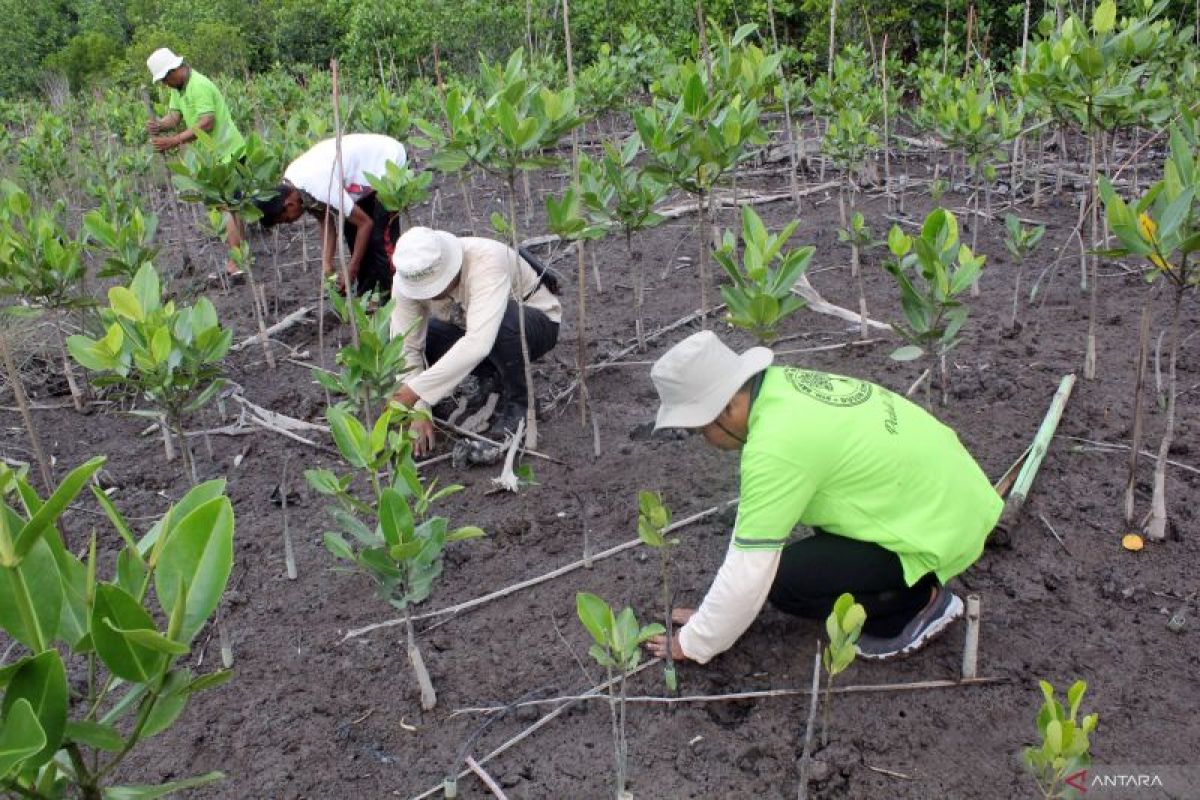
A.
pixel 897 505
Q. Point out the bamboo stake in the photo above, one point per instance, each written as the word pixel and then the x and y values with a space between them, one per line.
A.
pixel 479 601
pixel 580 258
pixel 787 113
pixel 971 644
pixel 1041 443
pixel 806 753
pixel 341 215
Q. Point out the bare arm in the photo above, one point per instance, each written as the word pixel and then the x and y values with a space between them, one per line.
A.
pixel 362 238
pixel 167 123
pixel 164 143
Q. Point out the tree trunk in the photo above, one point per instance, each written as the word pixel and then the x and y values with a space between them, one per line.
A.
pixel 1156 528
pixel 703 262
pixel 1089 361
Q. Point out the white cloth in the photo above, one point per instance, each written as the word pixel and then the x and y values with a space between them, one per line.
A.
pixel 316 171
pixel 733 601
pixel 484 288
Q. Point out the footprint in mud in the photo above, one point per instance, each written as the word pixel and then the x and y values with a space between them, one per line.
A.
pixel 729 715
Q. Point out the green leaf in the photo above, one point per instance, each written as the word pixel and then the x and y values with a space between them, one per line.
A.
pixel 196 497
pixel 198 555
pixel 907 353
pixel 160 790
pixel 466 532
pixel 596 616
pixel 125 303
pixel 350 437
pixel 42 682
pixel 1105 17
pixel 21 736
pixel 152 640
pixel 37 574
pixel 206 682
pixel 56 504
pixel 126 659
pixel 338 546
pixel 95 735
pixel 166 710
pixel 395 517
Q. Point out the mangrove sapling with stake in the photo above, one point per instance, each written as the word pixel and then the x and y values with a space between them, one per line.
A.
pixel 170 355
pixel 844 625
pixel 860 238
pixel 1020 243
pixel 619 194
pixel 66 739
pixel 761 296
pixel 1164 228
pixel 653 519
pixel 41 265
pixel 370 368
pixel 393 539
pixel 507 133
pixel 932 271
pixel 618 646
pixel 1065 748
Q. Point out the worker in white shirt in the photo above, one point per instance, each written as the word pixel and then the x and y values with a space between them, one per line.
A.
pixel 316 183
pixel 489 281
pixel 896 504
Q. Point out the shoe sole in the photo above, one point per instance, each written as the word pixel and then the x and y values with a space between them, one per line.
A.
pixel 953 612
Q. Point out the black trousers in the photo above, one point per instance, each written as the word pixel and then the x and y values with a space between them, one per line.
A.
pixel 375 272
pixel 813 572
pixel 504 361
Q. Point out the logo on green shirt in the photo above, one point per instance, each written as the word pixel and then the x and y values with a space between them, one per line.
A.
pixel 832 390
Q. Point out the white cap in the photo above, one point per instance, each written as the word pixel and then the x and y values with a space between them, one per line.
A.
pixel 426 261
pixel 696 378
pixel 162 61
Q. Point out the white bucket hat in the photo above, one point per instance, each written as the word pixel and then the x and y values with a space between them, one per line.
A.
pixel 696 378
pixel 162 61
pixel 426 261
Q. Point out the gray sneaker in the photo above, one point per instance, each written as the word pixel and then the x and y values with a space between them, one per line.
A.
pixel 928 623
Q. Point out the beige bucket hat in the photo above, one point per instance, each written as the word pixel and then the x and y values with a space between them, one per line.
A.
pixel 426 261
pixel 696 378
pixel 162 61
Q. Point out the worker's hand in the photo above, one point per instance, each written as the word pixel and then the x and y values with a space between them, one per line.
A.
pixel 153 126
pixel 423 444
pixel 405 396
pixel 164 143
pixel 657 646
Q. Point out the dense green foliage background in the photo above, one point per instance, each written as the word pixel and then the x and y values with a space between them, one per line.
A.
pixel 95 42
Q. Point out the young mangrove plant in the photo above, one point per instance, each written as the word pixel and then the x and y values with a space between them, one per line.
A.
pixel 400 189
pixel 618 648
pixel 932 270
pixel 859 237
pixel 653 520
pixel 128 680
pixel 170 355
pixel 1020 243
pixel 1065 746
pixel 1163 227
pixel 844 625
pixel 761 294
pixel 392 537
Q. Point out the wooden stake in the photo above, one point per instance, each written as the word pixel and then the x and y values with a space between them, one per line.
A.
pixel 1041 443
pixel 18 387
pixel 971 643
pixel 814 701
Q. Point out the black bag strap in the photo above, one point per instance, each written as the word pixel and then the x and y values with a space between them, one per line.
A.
pixel 545 276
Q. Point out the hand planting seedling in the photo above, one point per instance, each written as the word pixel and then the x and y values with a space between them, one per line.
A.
pixel 392 537
pixel 653 520
pixel 844 625
pixel 170 355
pixel 128 682
pixel 618 646
pixel 1021 242
pixel 1065 747
pixel 932 271
pixel 761 297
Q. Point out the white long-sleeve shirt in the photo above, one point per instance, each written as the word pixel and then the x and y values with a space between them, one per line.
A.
pixel 733 601
pixel 316 172
pixel 485 286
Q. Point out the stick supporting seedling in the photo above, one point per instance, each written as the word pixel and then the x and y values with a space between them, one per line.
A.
pixel 289 555
pixel 971 644
pixel 806 754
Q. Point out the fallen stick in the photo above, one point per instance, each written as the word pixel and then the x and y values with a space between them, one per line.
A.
pixel 479 438
pixel 822 306
pixel 289 321
pixel 822 348
pixel 1054 533
pixel 491 784
pixel 1111 447
pixel 1037 451
pixel 516 587
pixel 889 772
pixel 740 696
pixel 541 723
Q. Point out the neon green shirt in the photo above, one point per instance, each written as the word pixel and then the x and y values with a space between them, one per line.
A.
pixel 859 461
pixel 200 97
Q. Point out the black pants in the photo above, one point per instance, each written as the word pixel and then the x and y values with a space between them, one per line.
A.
pixel 813 572
pixel 505 361
pixel 375 271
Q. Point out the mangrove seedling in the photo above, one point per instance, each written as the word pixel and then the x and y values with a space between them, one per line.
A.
pixel 859 237
pixel 932 270
pixel 392 537
pixel 653 520
pixel 1065 746
pixel 761 295
pixel 844 624
pixel 1020 243
pixel 400 189
pixel 618 647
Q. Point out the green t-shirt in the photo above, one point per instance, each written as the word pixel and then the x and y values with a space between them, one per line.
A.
pixel 859 461
pixel 200 97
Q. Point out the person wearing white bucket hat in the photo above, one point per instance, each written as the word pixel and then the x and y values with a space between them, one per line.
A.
pixel 318 183
pixel 198 104
pixel 896 504
pixel 489 281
